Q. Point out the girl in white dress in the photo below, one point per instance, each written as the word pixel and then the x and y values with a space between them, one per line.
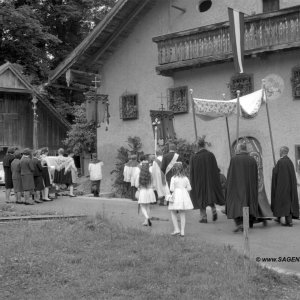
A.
pixel 180 199
pixel 145 191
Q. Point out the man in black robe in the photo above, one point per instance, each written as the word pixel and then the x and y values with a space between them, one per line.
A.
pixel 205 182
pixel 242 187
pixel 284 196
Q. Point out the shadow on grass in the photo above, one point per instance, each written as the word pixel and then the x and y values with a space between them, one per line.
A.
pixel 97 259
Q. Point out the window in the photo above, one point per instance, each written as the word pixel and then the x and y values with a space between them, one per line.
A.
pixel 129 107
pixel 270 5
pixel 241 82
pixel 178 99
pixel 296 82
pixel 204 5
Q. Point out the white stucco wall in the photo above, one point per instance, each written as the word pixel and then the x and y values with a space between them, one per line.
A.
pixel 131 69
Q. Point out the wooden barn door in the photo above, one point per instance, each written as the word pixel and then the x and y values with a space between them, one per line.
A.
pixel 15 120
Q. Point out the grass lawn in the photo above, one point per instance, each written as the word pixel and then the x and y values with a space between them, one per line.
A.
pixel 94 259
pixel 10 210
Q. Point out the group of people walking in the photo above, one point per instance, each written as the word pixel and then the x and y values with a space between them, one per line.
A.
pixel 162 178
pixel 29 174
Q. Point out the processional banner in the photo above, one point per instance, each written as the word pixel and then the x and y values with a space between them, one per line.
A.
pixel 212 109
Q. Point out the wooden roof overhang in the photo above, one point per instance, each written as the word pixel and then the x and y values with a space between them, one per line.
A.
pixel 88 57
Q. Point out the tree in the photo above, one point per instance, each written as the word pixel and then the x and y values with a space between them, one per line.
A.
pixel 39 34
pixel 24 39
pixel 71 21
pixel 82 135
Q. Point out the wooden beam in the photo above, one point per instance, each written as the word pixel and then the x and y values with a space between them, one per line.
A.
pixel 183 10
pixel 84 73
pixel 59 86
pixel 118 31
pixel 12 90
pixel 168 68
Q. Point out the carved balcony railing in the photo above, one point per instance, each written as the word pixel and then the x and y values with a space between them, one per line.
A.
pixel 210 44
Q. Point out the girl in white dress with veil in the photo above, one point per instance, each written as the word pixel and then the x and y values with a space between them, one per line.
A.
pixel 146 194
pixel 180 200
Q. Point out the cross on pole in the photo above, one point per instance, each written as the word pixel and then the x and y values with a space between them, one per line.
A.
pixel 162 100
pixel 96 81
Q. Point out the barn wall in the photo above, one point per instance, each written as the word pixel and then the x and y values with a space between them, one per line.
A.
pixel 16 123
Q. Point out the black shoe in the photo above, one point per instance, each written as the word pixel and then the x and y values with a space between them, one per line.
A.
pixel 239 229
pixel 149 222
pixel 287 224
pixel 215 217
pixel 203 221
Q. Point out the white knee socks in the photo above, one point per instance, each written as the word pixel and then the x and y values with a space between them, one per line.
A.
pixel 175 222
pixel 182 222
pixel 145 209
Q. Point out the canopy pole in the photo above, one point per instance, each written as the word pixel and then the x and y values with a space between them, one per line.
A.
pixel 238 117
pixel 228 135
pixel 269 121
pixel 194 117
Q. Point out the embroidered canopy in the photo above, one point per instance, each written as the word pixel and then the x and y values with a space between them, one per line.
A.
pixel 211 109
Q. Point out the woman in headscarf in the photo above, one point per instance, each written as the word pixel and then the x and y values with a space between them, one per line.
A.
pixel 16 176
pixel 27 170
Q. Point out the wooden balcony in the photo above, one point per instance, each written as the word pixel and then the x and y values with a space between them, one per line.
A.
pixel 267 32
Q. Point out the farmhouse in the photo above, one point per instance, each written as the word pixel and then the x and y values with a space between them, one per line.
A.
pixel 147 53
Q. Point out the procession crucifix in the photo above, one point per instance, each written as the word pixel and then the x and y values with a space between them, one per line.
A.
pixel 155 124
pixel 162 110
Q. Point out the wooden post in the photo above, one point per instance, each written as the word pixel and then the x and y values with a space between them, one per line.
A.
pixel 155 140
pixel 246 232
pixel 35 123
pixel 269 121
pixel 194 116
pixel 228 135
pixel 238 117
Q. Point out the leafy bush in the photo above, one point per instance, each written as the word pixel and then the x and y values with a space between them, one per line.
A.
pixel 83 135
